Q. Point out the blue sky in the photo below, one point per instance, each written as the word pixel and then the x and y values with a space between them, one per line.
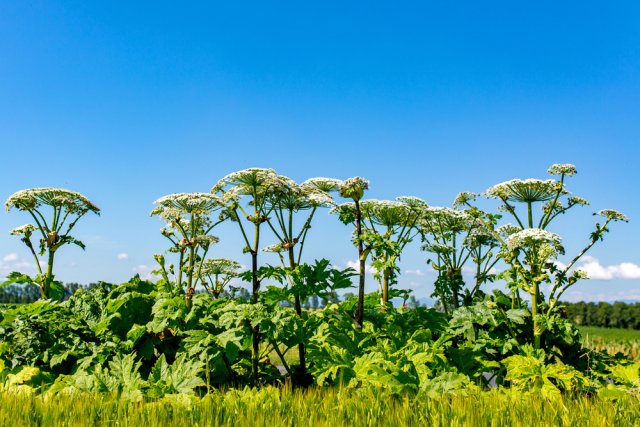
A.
pixel 128 102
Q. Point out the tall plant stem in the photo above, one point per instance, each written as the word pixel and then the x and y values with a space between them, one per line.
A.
pixel 48 278
pixel 361 259
pixel 189 293
pixel 298 308
pixel 179 277
pixel 255 350
pixel 534 308
pixel 534 313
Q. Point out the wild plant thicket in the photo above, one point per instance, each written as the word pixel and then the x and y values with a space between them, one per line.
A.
pixel 147 340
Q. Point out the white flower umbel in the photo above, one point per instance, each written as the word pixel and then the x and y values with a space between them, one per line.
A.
pixel 195 203
pixel 507 230
pixel 34 198
pixel 438 248
pixel 525 190
pixel 249 181
pixel 563 169
pixel 613 215
pixel 216 273
pixel 464 198
pixel 532 237
pixel 327 185
pixel 275 248
pixel 480 236
pixel 413 202
pixel 24 230
pixel 438 220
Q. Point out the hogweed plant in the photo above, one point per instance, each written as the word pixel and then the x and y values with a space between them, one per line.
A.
pixel 388 227
pixel 188 218
pixel 287 203
pixel 254 187
pixel 354 188
pixel 216 273
pixel 455 237
pixel 67 207
pixel 530 249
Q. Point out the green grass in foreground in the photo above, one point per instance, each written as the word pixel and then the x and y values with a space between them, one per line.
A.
pixel 320 407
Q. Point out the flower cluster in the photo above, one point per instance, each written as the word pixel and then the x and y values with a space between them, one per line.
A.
pixel 464 198
pixel 190 203
pixel 507 230
pixel 275 248
pixel 525 190
pixel 613 215
pixel 413 202
pixel 33 198
pixel 294 197
pixel 580 274
pixel 205 240
pixel 563 169
pixel 24 230
pixel 250 181
pixel 533 237
pixel 480 236
pixel 386 212
pixel 327 185
pixel 353 188
pixel 438 248
pixel 225 266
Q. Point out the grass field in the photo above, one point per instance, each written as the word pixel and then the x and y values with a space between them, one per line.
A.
pixel 321 407
pixel 610 334
pixel 612 340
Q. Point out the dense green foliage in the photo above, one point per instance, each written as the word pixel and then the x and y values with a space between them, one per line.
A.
pixel 141 340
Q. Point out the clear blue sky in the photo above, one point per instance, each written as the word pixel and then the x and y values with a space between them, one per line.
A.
pixel 128 101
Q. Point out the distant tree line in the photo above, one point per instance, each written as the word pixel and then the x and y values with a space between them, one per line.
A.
pixel 603 314
pixel 24 294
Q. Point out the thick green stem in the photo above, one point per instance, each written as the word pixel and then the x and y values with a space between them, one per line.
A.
pixel 255 285
pixel 386 275
pixel 189 293
pixel 48 278
pixel 298 307
pixel 361 259
pixel 179 278
pixel 534 314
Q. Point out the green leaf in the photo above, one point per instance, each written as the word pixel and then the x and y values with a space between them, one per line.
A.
pixel 180 377
pixel 18 278
pixel 56 290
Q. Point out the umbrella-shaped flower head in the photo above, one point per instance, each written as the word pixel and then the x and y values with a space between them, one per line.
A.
pixel 34 198
pixel 525 190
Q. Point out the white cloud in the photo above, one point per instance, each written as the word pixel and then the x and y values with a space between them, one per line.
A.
pixel 624 295
pixel 416 272
pixel 10 257
pixel 356 266
pixel 123 256
pixel 597 271
pixel 12 262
